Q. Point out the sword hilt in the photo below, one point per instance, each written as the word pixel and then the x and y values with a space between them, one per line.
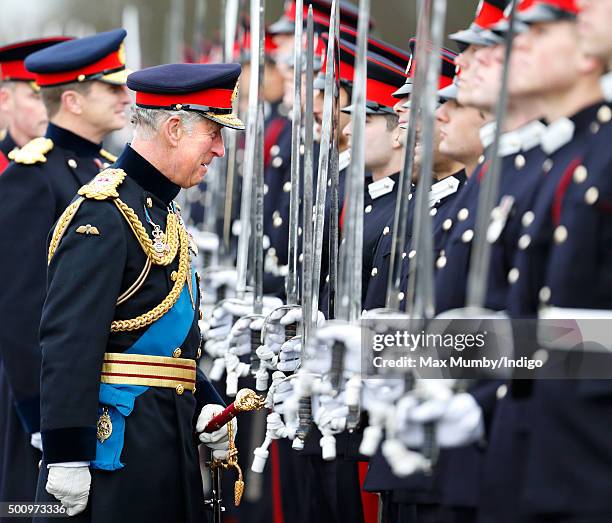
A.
pixel 255 343
pixel 290 331
pixel 430 447
pixel 246 400
pixel 304 416
pixel 337 365
pixel 221 293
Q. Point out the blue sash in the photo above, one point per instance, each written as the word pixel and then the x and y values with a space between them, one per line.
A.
pixel 160 339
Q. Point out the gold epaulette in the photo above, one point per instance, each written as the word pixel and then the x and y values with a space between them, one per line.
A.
pixel 108 156
pixel 104 185
pixel 32 152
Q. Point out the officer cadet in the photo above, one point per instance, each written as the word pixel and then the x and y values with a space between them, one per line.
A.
pixel 548 486
pixel 445 168
pixel 39 184
pixel 20 100
pixel 106 320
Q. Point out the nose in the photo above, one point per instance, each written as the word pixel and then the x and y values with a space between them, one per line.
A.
pixel 348 129
pixel 124 95
pixel 399 108
pixel 218 147
pixel 442 113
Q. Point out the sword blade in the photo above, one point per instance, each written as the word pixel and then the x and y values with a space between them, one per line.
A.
pixel 291 285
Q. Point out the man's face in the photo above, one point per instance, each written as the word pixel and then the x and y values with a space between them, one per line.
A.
pixel 195 152
pixel 273 83
pixel 594 32
pixel 319 96
pixel 459 126
pixel 402 112
pixel 284 47
pixel 380 141
pixel 24 108
pixel 481 87
pixel 545 58
pixel 104 106
pixel 465 81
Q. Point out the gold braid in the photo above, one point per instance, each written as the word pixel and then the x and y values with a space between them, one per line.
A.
pixel 172 235
pixel 153 315
pixel 62 224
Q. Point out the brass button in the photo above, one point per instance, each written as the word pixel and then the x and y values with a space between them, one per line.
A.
pixel 513 275
pixel 400 296
pixel 594 127
pixel 199 353
pixel 544 294
pixel 180 389
pixel 560 234
pixel 467 236
pixel 265 189
pixel 374 271
pixel 287 187
pixel 404 255
pixel 448 223
pixel 81 77
pixel 72 163
pixel 519 161
pixel 277 162
pixel 274 150
pixel 604 115
pixel 411 254
pixel 591 196
pixel 173 275
pixel 302 149
pixel 501 392
pixel 580 174
pixel 177 352
pixel 386 231
pixel 463 214
pixel 524 242
pixel 527 218
pixel 149 203
pixel 481 158
pixel 368 209
pixel 433 211
pixel 441 262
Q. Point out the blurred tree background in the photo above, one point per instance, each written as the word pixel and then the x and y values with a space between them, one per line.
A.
pixel 159 29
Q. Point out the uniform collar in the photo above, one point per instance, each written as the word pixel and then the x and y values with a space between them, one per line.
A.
pixel 512 142
pixel 382 187
pixel 443 188
pixel 73 142
pixel 561 132
pixel 344 159
pixel 7 144
pixel 606 86
pixel 147 176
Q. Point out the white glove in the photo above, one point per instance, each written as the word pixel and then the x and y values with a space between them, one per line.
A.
pixel 70 485
pixel 350 336
pixel 221 278
pixel 289 357
pixel 218 440
pixel 36 441
pixel 331 415
pixel 462 422
pixel 240 336
pixel 206 241
pixel 408 431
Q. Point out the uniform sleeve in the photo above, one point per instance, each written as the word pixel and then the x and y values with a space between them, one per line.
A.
pixel 27 213
pixel 85 278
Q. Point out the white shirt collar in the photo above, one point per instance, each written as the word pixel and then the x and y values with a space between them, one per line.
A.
pixel 442 189
pixel 344 159
pixel 512 142
pixel 606 86
pixel 559 133
pixel 381 187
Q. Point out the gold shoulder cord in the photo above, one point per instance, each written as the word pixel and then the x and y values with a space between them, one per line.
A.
pixel 103 187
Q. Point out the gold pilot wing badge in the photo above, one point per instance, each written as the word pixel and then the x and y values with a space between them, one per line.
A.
pixel 33 152
pixel 88 229
pixel 104 185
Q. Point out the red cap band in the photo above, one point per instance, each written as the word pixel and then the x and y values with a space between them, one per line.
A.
pixel 488 15
pixel 219 98
pixel 569 6
pixel 112 62
pixel 15 70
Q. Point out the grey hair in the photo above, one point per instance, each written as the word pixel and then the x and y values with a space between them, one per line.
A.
pixel 146 122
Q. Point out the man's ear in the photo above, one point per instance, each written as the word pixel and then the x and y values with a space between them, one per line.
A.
pixel 172 131
pixel 5 99
pixel 396 135
pixel 73 102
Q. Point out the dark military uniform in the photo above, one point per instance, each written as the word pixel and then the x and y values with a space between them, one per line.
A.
pixel 7 144
pixel 34 191
pixel 96 300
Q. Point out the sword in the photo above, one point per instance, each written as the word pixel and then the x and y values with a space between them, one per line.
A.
pixel 291 281
pixel 478 275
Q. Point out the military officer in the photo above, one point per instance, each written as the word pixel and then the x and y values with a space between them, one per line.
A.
pixel 565 413
pixel 20 100
pixel 123 299
pixel 82 107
